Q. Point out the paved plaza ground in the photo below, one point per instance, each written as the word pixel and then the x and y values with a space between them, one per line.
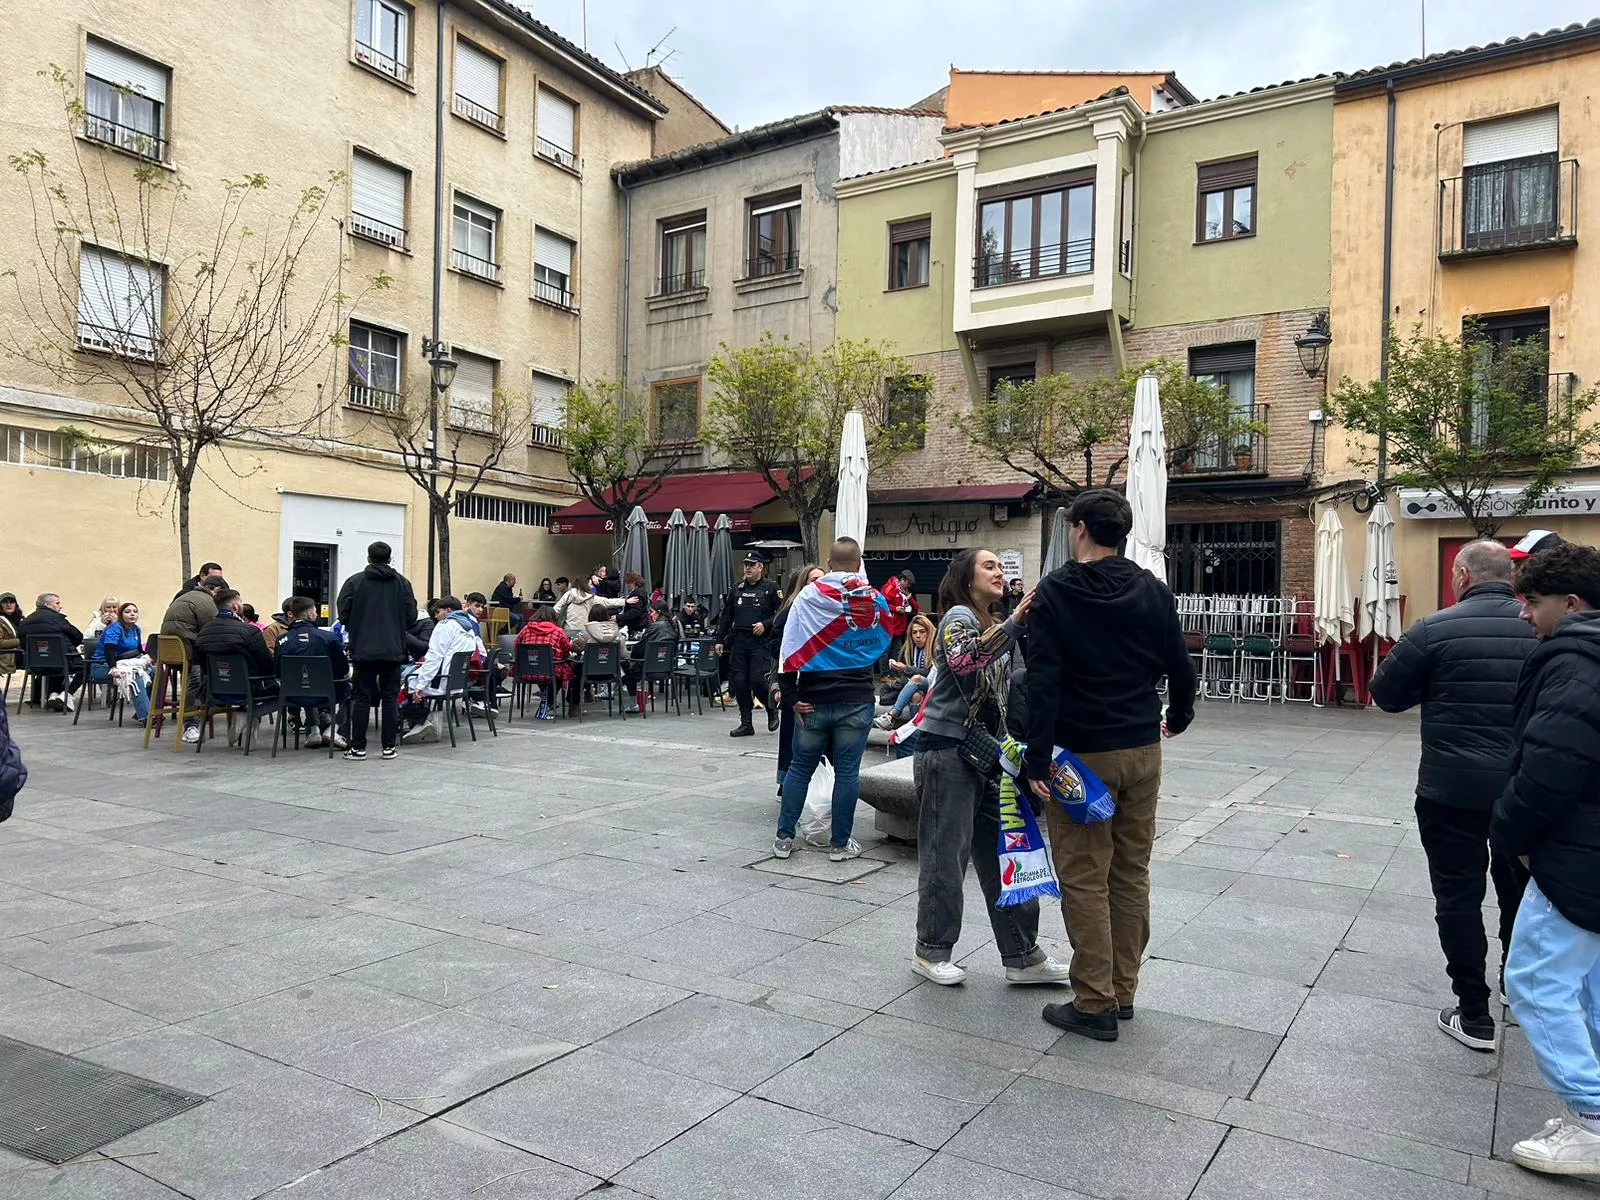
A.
pixel 561 963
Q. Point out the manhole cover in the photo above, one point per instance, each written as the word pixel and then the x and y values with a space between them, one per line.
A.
pixel 56 1108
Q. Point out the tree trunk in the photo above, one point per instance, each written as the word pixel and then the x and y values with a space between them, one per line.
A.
pixel 441 527
pixel 808 536
pixel 185 483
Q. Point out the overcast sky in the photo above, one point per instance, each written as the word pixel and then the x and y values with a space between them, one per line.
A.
pixel 752 61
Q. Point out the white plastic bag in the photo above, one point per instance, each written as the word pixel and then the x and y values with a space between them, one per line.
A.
pixel 815 827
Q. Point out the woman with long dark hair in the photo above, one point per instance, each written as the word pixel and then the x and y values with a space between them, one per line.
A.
pixel 960 804
pixel 798 578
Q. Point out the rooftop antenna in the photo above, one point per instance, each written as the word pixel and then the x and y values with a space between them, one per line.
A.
pixel 651 53
pixel 1422 5
pixel 586 24
pixel 621 55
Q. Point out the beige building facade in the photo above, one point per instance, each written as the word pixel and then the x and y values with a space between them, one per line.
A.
pixel 529 298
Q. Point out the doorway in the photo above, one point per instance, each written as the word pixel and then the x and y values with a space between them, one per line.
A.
pixel 313 575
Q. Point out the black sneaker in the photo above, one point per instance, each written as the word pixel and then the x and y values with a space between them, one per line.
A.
pixel 390 752
pixel 355 755
pixel 745 730
pixel 772 718
pixel 1475 1033
pixel 1102 1027
pixel 1124 1012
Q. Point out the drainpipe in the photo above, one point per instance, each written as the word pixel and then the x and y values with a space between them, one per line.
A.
pixel 627 273
pixel 438 284
pixel 1388 268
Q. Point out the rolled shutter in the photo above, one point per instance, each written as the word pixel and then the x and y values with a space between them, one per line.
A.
pixel 1238 172
pixel 472 393
pixel 552 252
pixel 557 118
pixel 910 231
pixel 124 70
pixel 549 400
pixel 102 278
pixel 378 190
pixel 1214 360
pixel 119 298
pixel 1519 136
pixel 477 77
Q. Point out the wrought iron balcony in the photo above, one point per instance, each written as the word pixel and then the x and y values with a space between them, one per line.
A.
pixel 124 137
pixel 766 262
pixel 470 264
pixel 1522 204
pixel 686 281
pixel 372 399
pixel 556 154
pixel 479 115
pixel 384 64
pixel 1238 453
pixel 374 230
pixel 991 268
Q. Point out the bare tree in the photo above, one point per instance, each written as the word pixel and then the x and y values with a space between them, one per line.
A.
pixel 204 315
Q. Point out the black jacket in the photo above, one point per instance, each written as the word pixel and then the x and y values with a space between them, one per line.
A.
pixel 42 621
pixel 635 617
pixel 12 773
pixel 1461 664
pixel 377 607
pixel 1100 637
pixel 228 633
pixel 417 638
pixel 505 596
pixel 747 605
pixel 306 639
pixel 1550 810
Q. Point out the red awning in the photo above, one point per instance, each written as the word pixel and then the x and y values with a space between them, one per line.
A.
pixel 987 493
pixel 737 493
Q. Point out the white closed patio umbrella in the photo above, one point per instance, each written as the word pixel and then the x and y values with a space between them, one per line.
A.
pixel 850 505
pixel 1380 583
pixel 1147 479
pixel 1331 616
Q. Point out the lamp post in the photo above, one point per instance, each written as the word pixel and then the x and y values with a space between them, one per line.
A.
pixel 442 373
pixel 1313 344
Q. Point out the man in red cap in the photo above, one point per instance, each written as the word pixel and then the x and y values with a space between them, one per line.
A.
pixel 1537 540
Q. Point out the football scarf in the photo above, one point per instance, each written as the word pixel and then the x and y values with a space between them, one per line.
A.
pixel 1025 871
pixel 835 624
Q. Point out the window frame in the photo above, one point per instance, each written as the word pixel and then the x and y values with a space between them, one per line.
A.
pixel 374 399
pixel 564 295
pixel 544 433
pixel 910 231
pixel 770 204
pixel 1067 263
pixel 108 128
pixel 1217 456
pixel 657 386
pixel 374 57
pixel 454 411
pixel 556 154
pixel 376 235
pixel 1227 177
pixel 483 212
pixel 684 225
pixel 897 390
pixel 474 113
pixel 127 342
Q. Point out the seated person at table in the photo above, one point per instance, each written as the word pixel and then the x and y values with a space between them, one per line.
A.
pixel 421 630
pixel 106 616
pixel 305 639
pixel 541 629
pixel 275 628
pixel 227 633
pixel 585 617
pixel 122 639
pixel 48 619
pixel 455 632
pixel 505 596
pixel 489 674
pixel 635 614
pixel 661 629
pixel 546 592
pixel 691 621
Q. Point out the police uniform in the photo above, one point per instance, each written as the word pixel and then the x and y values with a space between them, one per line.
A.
pixel 749 654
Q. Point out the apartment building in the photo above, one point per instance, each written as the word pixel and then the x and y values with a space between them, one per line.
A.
pixel 1084 240
pixel 1485 148
pixel 531 126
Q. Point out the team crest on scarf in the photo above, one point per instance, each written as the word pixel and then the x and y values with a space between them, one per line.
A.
pixel 835 624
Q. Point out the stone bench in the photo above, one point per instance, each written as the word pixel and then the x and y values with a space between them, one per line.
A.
pixel 888 788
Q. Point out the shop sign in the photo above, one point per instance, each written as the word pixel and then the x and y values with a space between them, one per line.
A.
pixel 925 528
pixel 1577 500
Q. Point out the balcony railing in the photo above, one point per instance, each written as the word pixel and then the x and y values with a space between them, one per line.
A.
pixel 124 137
pixel 546 435
pixel 1238 453
pixel 107 339
pixel 1523 204
pixel 384 64
pixel 993 268
pixel 766 263
pixel 559 155
pixel 470 264
pixel 375 230
pixel 687 281
pixel 552 293
pixel 479 115
pixel 371 399
pixel 1546 400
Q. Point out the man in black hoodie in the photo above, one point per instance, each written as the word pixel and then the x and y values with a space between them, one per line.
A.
pixel 1104 633
pixel 377 608
pixel 1549 817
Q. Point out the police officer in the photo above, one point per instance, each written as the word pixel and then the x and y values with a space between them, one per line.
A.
pixel 744 633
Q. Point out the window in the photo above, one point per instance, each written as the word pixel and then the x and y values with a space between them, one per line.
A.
pixel 1525 374
pixel 477 82
pixel 1231 367
pixel 556 129
pixel 1509 176
pixel 677 409
pixel 552 268
pixel 474 238
pixel 909 243
pixel 56 451
pixel 374 368
pixel 503 510
pixel 1036 229
pixel 549 409
pixel 774 237
pixel 1017 374
pixel 905 406
pixel 124 100
pixel 378 201
pixel 119 304
pixel 383 38
pixel 1227 200
pixel 472 393
pixel 683 253
pixel 1225 558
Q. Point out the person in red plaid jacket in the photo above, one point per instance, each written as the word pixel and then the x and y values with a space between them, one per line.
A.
pixel 542 629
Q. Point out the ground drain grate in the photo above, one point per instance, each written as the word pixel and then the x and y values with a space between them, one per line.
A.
pixel 56 1108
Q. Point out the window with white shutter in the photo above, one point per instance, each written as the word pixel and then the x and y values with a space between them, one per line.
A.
pixel 124 100
pixel 1511 180
pixel 383 37
pixel 552 268
pixel 119 304
pixel 556 129
pixel 477 85
pixel 378 201
pixel 549 408
pixel 472 393
pixel 475 239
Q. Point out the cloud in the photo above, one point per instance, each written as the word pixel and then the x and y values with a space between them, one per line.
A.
pixel 756 62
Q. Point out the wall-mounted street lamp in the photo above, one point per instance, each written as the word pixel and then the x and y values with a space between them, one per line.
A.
pixel 1313 345
pixel 440 363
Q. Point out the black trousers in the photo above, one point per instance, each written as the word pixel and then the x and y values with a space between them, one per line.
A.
pixel 376 683
pixel 748 665
pixel 1456 841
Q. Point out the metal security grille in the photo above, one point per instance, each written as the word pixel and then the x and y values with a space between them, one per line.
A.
pixel 503 510
pixel 1234 558
pixel 57 1108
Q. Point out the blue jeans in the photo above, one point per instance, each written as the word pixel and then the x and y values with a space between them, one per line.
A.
pixel 840 732
pixel 1553 985
pixel 908 697
pixel 138 694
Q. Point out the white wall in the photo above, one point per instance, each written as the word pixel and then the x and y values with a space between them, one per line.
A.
pixel 351 525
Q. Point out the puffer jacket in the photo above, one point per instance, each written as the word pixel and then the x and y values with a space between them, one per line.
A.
pixel 10 640
pixel 186 616
pixel 1550 810
pixel 12 773
pixel 1461 664
pixel 453 634
pixel 228 633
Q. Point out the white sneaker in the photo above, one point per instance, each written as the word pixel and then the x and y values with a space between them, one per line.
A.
pixel 945 974
pixel 1562 1147
pixel 67 704
pixel 191 735
pixel 1048 971
pixel 851 849
pixel 52 702
pixel 314 741
pixel 883 721
pixel 340 742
